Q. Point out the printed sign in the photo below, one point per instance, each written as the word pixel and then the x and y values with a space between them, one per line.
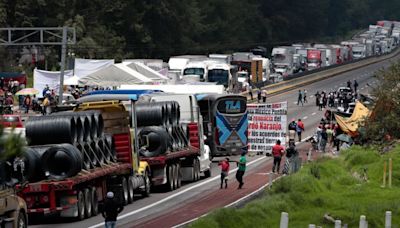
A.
pixel 267 124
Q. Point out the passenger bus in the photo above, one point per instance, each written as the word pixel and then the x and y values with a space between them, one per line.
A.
pixel 225 123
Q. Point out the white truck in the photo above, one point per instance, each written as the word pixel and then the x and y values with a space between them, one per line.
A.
pixel 195 72
pixel 220 58
pixel 282 59
pixel 359 51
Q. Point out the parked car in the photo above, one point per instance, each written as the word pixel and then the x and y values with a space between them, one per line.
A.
pixel 11 121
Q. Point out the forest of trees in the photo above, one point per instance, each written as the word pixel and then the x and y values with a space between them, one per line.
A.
pixel 161 28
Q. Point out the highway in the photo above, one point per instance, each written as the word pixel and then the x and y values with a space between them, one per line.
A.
pixel 161 203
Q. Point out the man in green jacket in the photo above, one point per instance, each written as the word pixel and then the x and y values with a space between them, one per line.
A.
pixel 241 169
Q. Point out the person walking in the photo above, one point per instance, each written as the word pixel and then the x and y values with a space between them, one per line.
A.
pixel 317 96
pixel 264 95
pixel 27 103
pixel 355 84
pixel 320 103
pixel 259 95
pixel 224 172
pixel 305 96
pixel 300 98
pixel 292 130
pixel 241 169
pixel 299 128
pixel 324 139
pixel 290 154
pixel 250 90
pixel 349 84
pixel 111 209
pixel 277 151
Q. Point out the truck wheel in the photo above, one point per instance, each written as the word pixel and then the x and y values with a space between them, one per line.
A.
pixel 175 170
pixel 179 181
pixel 147 185
pixel 95 202
pixel 88 202
pixel 207 173
pixel 81 206
pixel 125 196
pixel 170 178
pixel 131 188
pixel 21 222
pixel 196 169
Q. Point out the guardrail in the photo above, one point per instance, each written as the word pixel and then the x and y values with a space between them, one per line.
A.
pixel 309 77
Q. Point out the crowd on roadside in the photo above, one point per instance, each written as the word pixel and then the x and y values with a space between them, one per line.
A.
pixel 337 99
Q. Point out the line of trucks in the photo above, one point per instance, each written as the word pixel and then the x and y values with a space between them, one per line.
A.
pixel 75 157
pixel 235 71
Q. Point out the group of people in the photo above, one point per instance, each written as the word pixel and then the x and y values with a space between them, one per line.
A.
pixel 326 135
pixel 302 97
pixel 261 94
pixel 296 129
pixel 239 173
pixel 337 99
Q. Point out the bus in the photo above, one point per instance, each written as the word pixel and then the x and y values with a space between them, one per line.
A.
pixel 224 122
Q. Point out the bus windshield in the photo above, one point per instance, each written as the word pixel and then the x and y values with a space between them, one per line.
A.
pixel 194 71
pixel 220 76
pixel 231 106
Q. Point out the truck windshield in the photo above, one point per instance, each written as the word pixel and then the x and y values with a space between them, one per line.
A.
pixel 194 71
pixel 312 60
pixel 278 57
pixel 220 76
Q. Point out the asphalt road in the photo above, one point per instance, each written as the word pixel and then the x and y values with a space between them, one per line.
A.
pixel 161 202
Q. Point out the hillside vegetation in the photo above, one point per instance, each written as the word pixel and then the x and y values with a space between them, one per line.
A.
pixel 345 188
pixel 160 28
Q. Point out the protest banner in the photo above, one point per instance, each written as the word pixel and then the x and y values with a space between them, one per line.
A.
pixel 267 124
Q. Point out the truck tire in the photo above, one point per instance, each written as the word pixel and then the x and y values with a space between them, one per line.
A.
pixel 147 185
pixel 131 188
pixel 88 202
pixel 170 178
pixel 175 175
pixel 179 180
pixel 207 173
pixel 196 167
pixel 95 202
pixel 81 206
pixel 22 220
pixel 33 168
pixel 125 191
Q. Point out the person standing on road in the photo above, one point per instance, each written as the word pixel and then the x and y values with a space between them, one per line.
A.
pixel 259 95
pixel 349 84
pixel 324 139
pixel 291 154
pixel 292 130
pixel 111 209
pixel 305 96
pixel 264 95
pixel 300 98
pixel 241 169
pixel 299 129
pixel 317 96
pixel 250 90
pixel 355 84
pixel 277 151
pixel 224 172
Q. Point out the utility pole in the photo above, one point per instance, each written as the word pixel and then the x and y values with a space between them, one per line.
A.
pixel 63 55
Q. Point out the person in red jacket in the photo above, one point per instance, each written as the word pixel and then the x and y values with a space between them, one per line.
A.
pixel 299 128
pixel 277 151
pixel 224 171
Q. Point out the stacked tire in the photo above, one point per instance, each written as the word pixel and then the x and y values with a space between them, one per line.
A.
pixel 63 144
pixel 159 128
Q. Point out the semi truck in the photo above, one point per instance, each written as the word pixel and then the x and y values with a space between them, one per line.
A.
pixel 315 58
pixel 282 59
pixel 195 72
pixel 359 51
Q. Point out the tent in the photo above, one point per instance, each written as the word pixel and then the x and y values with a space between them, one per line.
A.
pixel 147 71
pixel 41 78
pixel 84 67
pixel 350 125
pixel 115 75
pixel 74 80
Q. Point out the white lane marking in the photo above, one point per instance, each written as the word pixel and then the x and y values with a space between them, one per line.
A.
pixel 311 96
pixel 175 195
pixel 306 117
pixel 295 102
pixel 313 113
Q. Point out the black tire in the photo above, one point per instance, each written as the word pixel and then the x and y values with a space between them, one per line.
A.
pixel 207 173
pixel 33 166
pixel 147 185
pixel 179 180
pixel 170 178
pixel 196 167
pixel 131 189
pixel 95 202
pixel 61 161
pixel 125 191
pixel 151 114
pixel 22 220
pixel 175 175
pixel 88 202
pixel 158 140
pixel 81 206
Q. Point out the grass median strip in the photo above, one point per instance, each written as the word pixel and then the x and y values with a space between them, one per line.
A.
pixel 344 187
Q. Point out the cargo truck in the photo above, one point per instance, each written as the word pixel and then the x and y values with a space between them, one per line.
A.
pixel 78 196
pixel 282 60
pixel 359 51
pixel 315 58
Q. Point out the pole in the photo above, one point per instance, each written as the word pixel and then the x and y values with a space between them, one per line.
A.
pixel 284 220
pixel 388 219
pixel 384 174
pixel 363 221
pixel 63 56
pixel 338 224
pixel 390 173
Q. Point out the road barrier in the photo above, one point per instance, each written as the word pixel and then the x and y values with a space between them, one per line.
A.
pixel 310 77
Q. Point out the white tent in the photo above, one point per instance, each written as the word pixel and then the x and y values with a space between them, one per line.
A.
pixel 84 67
pixel 180 89
pixel 41 78
pixel 74 80
pixel 146 71
pixel 115 75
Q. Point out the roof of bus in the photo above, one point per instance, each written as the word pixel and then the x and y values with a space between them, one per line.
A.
pixel 127 91
pixel 214 97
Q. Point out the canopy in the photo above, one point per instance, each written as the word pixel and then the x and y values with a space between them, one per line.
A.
pixel 351 124
pixel 146 71
pixel 27 91
pixel 180 89
pixel 84 67
pixel 115 75
pixel 74 80
pixel 41 78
